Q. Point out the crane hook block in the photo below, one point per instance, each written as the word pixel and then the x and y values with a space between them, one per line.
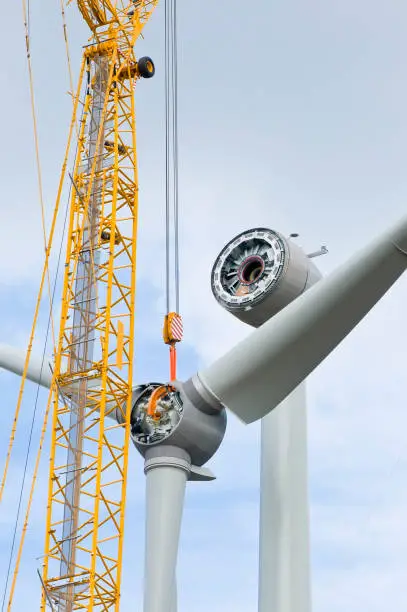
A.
pixel 145 67
pixel 173 328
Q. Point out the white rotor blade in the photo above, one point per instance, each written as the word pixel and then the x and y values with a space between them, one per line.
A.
pixel 166 481
pixel 258 373
pixel 284 567
pixel 174 601
pixel 13 360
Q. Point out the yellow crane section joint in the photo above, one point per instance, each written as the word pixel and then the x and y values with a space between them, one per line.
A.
pixel 103 48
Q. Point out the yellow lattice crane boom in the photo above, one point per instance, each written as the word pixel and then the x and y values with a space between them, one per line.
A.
pixel 92 378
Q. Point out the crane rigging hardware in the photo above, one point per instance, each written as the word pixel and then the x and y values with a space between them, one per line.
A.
pixel 173 326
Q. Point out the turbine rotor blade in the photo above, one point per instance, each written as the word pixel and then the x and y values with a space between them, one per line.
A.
pixel 13 360
pixel 166 480
pixel 174 600
pixel 258 373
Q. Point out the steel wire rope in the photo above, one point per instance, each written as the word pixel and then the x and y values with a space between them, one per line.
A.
pixel 68 55
pixel 171 152
pixel 32 426
pixel 167 156
pixel 175 150
pixel 171 187
pixel 26 19
pixel 47 245
pixel 43 431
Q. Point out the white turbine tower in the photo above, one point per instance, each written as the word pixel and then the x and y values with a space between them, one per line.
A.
pixel 179 428
pixel 256 275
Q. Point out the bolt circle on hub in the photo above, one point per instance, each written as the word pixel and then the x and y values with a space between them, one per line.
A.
pixel 248 267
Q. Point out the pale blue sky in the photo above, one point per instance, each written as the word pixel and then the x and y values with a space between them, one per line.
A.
pixel 292 116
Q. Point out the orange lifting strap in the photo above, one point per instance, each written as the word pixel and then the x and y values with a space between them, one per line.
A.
pixel 155 396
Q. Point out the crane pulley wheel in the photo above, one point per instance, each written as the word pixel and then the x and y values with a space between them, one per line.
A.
pixel 145 67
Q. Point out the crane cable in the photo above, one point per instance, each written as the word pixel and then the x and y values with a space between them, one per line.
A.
pixel 26 19
pixel 46 415
pixel 39 452
pixel 45 272
pixel 175 151
pixel 50 325
pixel 47 245
pixel 173 329
pixel 68 55
pixel 171 169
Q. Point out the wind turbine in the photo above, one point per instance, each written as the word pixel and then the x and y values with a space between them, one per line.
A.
pixel 178 427
pixel 261 259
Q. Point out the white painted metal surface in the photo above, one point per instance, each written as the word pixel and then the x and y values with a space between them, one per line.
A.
pixel 13 359
pixel 174 602
pixel 284 552
pixel 166 481
pixel 258 373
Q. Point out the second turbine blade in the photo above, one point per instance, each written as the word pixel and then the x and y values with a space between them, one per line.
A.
pixel 258 373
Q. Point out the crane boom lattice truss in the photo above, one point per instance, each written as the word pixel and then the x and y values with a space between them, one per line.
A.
pixel 92 380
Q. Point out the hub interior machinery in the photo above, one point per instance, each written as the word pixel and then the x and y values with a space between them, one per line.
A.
pixel 175 415
pixel 153 420
pixel 248 266
pixel 260 272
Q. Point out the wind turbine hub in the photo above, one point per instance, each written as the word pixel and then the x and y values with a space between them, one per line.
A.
pixel 176 420
pixel 149 428
pixel 258 273
pixel 247 266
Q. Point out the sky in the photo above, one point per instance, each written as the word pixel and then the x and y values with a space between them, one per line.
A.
pixel 292 116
